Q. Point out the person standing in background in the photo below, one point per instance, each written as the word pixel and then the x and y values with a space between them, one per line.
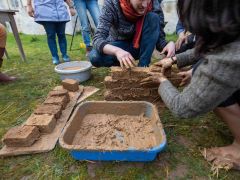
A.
pixel 3 39
pixel 53 15
pixel 82 6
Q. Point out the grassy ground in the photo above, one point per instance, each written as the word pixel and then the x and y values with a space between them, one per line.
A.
pixel 181 160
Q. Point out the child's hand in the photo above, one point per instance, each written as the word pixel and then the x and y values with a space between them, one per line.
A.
pixel 72 11
pixel 30 10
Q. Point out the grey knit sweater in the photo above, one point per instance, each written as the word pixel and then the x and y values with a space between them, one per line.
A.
pixel 215 79
pixel 114 26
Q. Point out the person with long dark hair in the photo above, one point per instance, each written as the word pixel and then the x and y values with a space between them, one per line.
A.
pixel 215 84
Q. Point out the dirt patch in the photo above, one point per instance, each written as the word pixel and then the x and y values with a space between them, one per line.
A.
pixel 180 172
pixel 184 141
pixel 118 132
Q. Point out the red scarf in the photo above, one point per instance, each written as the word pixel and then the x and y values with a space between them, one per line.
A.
pixel 136 18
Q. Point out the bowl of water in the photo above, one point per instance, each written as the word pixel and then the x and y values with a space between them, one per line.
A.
pixel 77 70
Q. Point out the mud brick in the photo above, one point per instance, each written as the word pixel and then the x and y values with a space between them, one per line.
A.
pixel 109 96
pixel 110 83
pixel 118 73
pixel 70 85
pixel 62 92
pixel 131 92
pixel 139 73
pixel 21 136
pixel 131 84
pixel 50 109
pixel 45 123
pixel 57 100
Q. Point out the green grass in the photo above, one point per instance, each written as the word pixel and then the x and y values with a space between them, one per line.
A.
pixel 181 160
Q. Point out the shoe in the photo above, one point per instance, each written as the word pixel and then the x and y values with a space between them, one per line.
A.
pixel 6 79
pixel 66 58
pixel 88 50
pixel 55 61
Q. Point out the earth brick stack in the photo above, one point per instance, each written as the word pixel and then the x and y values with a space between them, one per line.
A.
pixel 124 84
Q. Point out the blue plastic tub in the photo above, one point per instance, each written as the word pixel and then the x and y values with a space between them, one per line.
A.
pixel 113 107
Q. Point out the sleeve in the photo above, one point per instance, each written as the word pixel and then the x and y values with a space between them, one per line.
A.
pixel 162 36
pixel 179 28
pixel 205 92
pixel 105 23
pixel 186 58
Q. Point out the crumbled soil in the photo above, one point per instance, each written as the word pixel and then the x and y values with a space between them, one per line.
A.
pixel 115 132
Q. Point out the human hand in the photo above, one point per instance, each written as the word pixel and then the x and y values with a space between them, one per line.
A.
pixel 125 59
pixel 170 49
pixel 186 75
pixel 72 11
pixel 154 80
pixel 30 10
pixel 163 65
pixel 183 38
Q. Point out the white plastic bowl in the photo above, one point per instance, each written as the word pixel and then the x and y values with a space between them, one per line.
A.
pixel 80 74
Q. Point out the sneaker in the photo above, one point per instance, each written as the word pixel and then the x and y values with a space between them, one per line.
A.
pixel 66 58
pixel 6 79
pixel 55 61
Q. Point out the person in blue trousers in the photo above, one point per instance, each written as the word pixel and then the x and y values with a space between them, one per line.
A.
pixel 53 15
pixel 81 7
pixel 129 30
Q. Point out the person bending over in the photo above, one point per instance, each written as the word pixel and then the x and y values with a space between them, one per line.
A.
pixel 215 84
pixel 129 30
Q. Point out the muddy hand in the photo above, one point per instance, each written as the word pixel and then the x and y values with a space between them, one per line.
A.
pixel 125 59
pixel 153 80
pixel 186 75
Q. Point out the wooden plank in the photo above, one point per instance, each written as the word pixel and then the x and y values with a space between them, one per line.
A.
pixel 47 142
pixel 88 91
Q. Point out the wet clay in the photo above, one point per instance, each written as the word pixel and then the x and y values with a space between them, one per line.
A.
pixel 72 68
pixel 115 132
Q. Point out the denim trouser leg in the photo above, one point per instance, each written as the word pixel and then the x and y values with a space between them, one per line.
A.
pixel 81 7
pixel 103 60
pixel 93 8
pixel 149 38
pixel 62 41
pixel 50 29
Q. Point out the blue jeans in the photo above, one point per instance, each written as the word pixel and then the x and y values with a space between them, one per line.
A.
pixel 52 29
pixel 149 38
pixel 82 6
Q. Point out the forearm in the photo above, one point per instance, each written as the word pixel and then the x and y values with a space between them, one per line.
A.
pixel 69 3
pixel 186 58
pixel 29 2
pixel 110 49
pixel 202 95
